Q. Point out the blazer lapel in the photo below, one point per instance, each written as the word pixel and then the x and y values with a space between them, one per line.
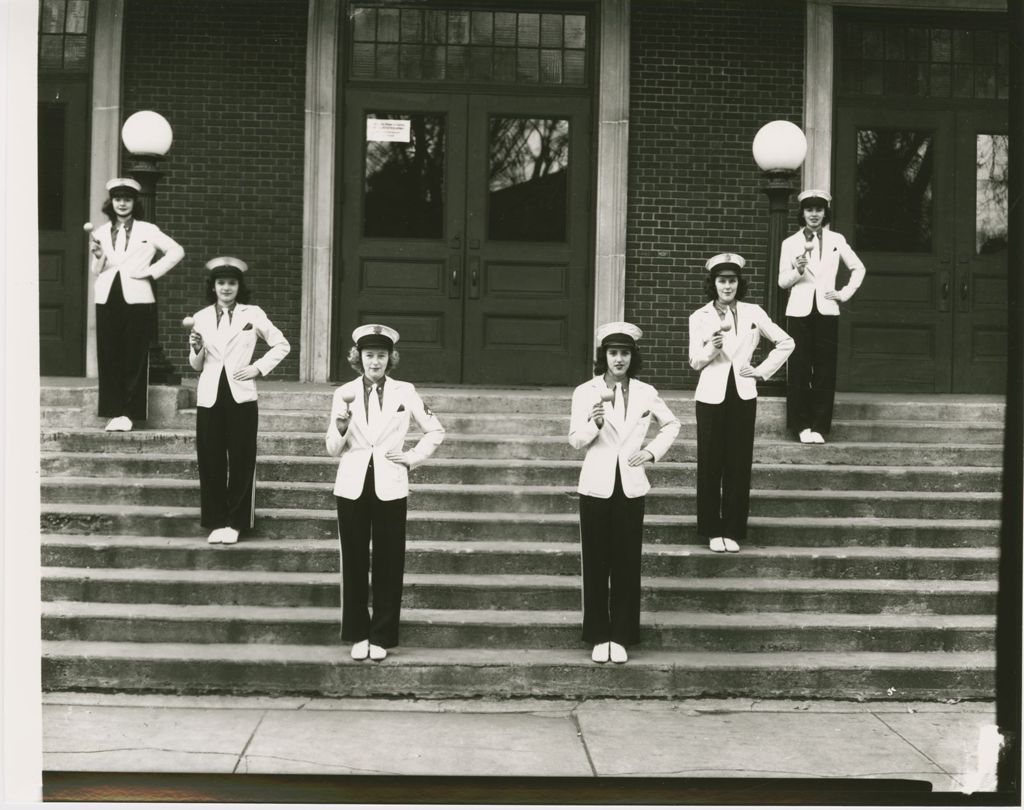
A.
pixel 387 409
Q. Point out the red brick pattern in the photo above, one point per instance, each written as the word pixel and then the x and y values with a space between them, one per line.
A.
pixel 705 76
pixel 230 78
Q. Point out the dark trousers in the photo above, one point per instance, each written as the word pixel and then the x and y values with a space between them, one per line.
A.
pixel 123 332
pixel 360 521
pixel 725 453
pixel 226 447
pixel 811 373
pixel 611 539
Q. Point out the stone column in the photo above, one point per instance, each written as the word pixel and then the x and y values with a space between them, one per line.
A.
pixel 818 80
pixel 318 208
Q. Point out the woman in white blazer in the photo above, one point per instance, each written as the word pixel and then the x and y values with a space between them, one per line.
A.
pixel 610 417
pixel 808 266
pixel 122 261
pixel 369 422
pixel 723 336
pixel 221 346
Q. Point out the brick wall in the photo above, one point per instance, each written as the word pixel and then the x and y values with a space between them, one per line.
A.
pixel 705 76
pixel 230 78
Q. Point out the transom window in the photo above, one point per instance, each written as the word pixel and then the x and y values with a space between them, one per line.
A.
pixel 899 58
pixel 64 36
pixel 460 45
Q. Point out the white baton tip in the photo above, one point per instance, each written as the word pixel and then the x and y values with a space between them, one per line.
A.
pixel 188 321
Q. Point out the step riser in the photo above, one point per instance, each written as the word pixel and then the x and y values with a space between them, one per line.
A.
pixel 270 497
pixel 514 426
pixel 523 449
pixel 451 636
pixel 364 679
pixel 325 527
pixel 557 403
pixel 525 598
pixel 562 562
pixel 323 471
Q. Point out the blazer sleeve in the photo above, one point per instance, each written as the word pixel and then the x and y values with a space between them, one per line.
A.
pixel 667 431
pixel 197 359
pixel 788 274
pixel 702 350
pixel 582 429
pixel 433 431
pixel 172 254
pixel 784 344
pixel 857 270
pixel 334 440
pixel 98 265
pixel 275 339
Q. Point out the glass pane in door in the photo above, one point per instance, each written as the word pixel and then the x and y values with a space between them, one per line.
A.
pixel 527 182
pixel 403 178
pixel 894 190
pixel 991 211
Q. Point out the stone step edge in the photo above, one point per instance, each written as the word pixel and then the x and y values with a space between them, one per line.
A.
pixel 259 654
pixel 545 463
pixel 513 582
pixel 567 518
pixel 759 620
pixel 521 490
pixel 546 547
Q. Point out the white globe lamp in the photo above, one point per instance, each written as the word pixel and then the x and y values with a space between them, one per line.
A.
pixel 779 146
pixel 147 133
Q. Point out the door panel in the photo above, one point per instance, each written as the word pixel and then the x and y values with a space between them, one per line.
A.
pixel 62 112
pixel 402 227
pixel 893 201
pixel 981 257
pixel 527 221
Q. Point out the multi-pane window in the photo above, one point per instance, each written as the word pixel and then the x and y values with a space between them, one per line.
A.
pixel 64 35
pixel 459 45
pixel 890 58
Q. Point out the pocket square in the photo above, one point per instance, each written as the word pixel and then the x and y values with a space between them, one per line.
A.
pixel 247 326
pixel 400 408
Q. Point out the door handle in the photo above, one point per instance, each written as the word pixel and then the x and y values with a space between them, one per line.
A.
pixel 474 277
pixel 965 294
pixel 944 290
pixel 455 262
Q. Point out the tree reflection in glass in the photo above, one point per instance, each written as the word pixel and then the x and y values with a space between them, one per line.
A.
pixel 403 190
pixel 992 213
pixel 894 190
pixel 529 159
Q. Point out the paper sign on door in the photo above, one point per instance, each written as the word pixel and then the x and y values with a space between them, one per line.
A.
pixel 379 129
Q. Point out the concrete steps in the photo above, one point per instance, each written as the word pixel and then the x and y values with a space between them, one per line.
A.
pixel 871 561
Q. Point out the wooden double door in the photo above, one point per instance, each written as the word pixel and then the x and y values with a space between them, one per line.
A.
pixel 922 195
pixel 465 225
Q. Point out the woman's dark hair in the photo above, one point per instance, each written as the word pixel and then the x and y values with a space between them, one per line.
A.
pixel 138 210
pixel 636 361
pixel 710 293
pixel 244 293
pixel 355 360
pixel 814 202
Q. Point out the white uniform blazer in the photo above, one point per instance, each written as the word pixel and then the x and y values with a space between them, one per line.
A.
pixel 820 275
pixel 738 346
pixel 234 350
pixel 617 440
pixel 134 263
pixel 363 441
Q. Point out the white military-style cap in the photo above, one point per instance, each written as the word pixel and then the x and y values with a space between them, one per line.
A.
pixel 814 194
pixel 619 333
pixel 226 266
pixel 374 336
pixel 123 182
pixel 723 262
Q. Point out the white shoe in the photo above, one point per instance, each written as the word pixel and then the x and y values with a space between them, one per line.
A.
pixel 617 653
pixel 817 438
pixel 731 545
pixel 215 536
pixel 806 436
pixel 377 653
pixel 360 650
pixel 112 424
pixel 600 653
pixel 717 545
pixel 229 536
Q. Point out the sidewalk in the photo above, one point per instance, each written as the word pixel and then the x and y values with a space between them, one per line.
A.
pixel 736 738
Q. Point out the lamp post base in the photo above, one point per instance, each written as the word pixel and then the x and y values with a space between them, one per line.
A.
pixel 779 185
